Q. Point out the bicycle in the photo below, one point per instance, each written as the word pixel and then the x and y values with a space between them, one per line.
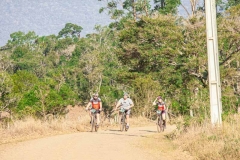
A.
pixel 108 116
pixel 160 125
pixel 94 120
pixel 123 120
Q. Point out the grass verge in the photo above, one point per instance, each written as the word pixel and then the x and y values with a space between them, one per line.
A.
pixel 205 141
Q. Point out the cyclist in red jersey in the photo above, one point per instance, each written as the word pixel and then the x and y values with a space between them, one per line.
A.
pixel 96 104
pixel 161 107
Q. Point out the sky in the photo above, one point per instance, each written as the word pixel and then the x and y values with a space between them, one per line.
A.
pixel 46 17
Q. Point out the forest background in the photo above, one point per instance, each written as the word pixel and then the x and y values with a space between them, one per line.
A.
pixel 148 50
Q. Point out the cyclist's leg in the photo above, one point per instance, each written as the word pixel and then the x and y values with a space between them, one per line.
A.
pixel 119 117
pixel 164 118
pixel 98 118
pixel 90 115
pixel 127 117
pixel 158 115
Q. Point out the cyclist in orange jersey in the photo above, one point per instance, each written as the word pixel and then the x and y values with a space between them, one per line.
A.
pixel 161 107
pixel 96 104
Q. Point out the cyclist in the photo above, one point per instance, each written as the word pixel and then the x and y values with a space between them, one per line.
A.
pixel 126 103
pixel 161 107
pixel 96 104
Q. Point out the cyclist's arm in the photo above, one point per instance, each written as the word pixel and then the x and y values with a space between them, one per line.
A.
pixel 154 102
pixel 131 106
pixel 165 108
pixel 100 105
pixel 89 103
pixel 118 105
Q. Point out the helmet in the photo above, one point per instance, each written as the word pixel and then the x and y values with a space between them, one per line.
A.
pixel 125 94
pixel 95 94
pixel 159 97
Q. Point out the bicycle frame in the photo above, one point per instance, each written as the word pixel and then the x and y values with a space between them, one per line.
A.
pixel 94 120
pixel 123 120
pixel 160 126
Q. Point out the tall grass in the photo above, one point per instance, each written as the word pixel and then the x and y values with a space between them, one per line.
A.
pixel 205 141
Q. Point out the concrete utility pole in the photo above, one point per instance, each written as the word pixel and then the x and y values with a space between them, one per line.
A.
pixel 213 63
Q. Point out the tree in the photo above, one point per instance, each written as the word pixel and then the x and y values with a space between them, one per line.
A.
pixel 229 42
pixel 166 6
pixel 193 5
pixel 134 9
pixel 20 38
pixel 150 44
pixel 233 3
pixel 153 47
pixel 70 30
pixel 7 99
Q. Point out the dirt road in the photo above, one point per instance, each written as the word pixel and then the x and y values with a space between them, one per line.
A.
pixel 104 145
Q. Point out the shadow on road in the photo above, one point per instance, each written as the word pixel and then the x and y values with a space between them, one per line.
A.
pixel 119 134
pixel 149 131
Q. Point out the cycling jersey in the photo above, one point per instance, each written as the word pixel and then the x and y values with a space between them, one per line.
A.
pixel 125 103
pixel 161 106
pixel 95 103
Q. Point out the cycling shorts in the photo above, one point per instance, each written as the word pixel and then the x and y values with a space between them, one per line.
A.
pixel 97 111
pixel 126 111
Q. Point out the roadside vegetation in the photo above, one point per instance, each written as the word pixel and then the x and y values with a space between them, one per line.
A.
pixel 147 51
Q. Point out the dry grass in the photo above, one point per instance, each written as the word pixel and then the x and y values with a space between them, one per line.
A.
pixel 141 121
pixel 77 120
pixel 30 128
pixel 208 142
pixel 159 145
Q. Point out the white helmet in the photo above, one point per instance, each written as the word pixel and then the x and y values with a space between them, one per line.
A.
pixel 125 94
pixel 95 94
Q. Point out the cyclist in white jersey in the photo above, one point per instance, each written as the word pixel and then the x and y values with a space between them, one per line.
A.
pixel 126 103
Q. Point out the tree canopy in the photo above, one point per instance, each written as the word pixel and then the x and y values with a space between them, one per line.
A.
pixel 148 51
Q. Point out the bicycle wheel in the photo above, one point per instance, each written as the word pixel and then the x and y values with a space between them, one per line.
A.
pixel 95 119
pixel 123 124
pixel 158 126
pixel 161 123
pixel 126 127
pixel 92 123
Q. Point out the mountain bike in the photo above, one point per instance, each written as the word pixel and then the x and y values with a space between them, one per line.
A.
pixel 123 120
pixel 160 125
pixel 94 125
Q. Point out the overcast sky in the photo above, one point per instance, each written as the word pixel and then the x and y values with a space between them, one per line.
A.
pixel 47 17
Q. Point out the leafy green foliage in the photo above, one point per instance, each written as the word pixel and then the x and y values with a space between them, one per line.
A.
pixel 20 38
pixel 70 30
pixel 166 6
pixel 233 3
pixel 7 100
pixel 139 53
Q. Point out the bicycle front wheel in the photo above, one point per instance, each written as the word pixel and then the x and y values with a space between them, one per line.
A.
pixel 96 126
pixel 161 126
pixel 123 124
pixel 158 125
pixel 92 123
